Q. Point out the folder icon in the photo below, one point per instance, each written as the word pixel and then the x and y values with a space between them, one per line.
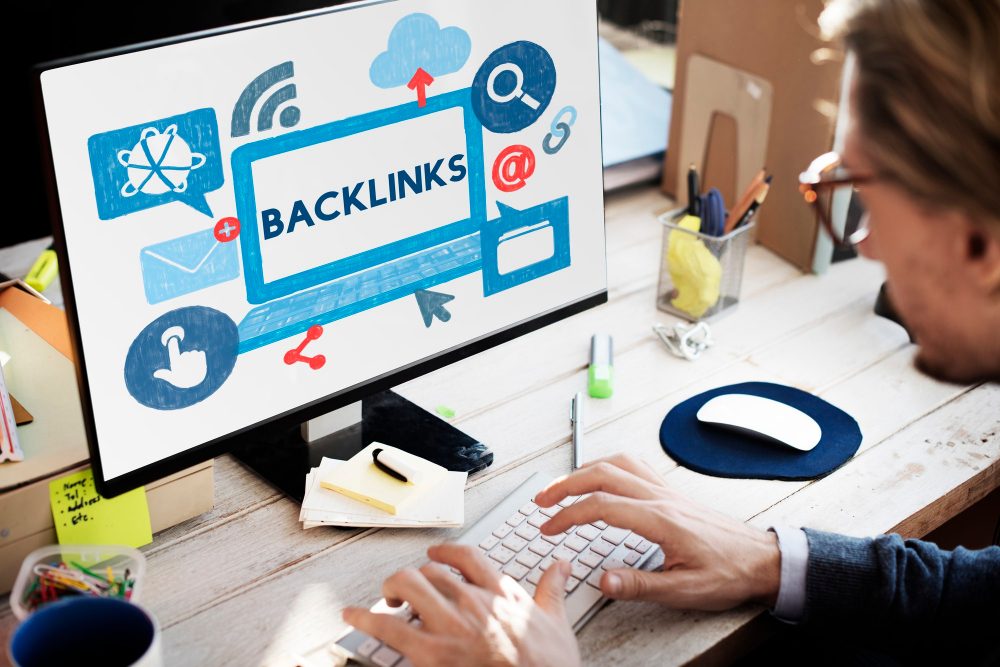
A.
pixel 523 245
pixel 187 264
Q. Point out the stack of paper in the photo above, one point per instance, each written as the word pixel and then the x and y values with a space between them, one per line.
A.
pixel 441 506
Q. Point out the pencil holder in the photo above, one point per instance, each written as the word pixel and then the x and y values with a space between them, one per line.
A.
pixel 700 275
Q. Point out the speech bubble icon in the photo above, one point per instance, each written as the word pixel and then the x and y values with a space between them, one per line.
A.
pixel 150 164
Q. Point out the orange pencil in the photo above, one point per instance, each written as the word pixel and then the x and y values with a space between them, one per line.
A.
pixel 748 197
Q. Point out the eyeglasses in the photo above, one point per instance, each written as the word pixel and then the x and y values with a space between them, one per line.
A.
pixel 820 183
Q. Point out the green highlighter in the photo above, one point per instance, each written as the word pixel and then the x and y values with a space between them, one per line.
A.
pixel 601 372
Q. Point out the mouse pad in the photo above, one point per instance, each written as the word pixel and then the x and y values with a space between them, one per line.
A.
pixel 720 452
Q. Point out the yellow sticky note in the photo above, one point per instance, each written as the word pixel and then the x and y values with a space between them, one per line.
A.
pixel 83 516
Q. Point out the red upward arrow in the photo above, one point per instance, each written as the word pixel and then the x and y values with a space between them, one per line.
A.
pixel 419 82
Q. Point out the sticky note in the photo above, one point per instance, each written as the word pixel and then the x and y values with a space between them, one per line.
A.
pixel 83 516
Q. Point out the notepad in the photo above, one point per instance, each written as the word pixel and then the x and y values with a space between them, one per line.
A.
pixel 359 479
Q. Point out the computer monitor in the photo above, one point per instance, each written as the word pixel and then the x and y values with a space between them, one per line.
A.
pixel 262 224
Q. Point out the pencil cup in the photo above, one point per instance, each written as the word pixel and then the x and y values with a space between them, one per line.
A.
pixel 88 631
pixel 700 275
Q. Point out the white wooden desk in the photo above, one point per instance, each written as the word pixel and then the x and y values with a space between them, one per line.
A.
pixel 245 585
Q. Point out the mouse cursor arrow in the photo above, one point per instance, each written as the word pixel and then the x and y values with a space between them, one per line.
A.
pixel 421 79
pixel 432 305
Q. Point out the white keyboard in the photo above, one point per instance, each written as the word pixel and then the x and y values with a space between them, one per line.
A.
pixel 510 538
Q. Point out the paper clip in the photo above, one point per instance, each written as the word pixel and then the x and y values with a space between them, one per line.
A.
pixel 687 341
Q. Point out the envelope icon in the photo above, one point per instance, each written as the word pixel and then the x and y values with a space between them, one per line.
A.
pixel 187 264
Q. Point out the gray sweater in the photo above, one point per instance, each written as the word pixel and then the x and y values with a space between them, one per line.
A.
pixel 904 592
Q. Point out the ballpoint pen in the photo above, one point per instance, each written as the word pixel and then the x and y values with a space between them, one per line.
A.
pixel 576 418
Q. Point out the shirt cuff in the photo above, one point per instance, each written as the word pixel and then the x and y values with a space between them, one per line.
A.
pixel 794 548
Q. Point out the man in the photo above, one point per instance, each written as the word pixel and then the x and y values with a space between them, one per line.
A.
pixel 924 156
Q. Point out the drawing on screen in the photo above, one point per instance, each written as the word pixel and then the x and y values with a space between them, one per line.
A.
pixel 559 130
pixel 154 163
pixel 181 358
pixel 524 245
pixel 187 264
pixel 513 167
pixel 243 110
pixel 295 356
pixel 513 87
pixel 431 305
pixel 418 51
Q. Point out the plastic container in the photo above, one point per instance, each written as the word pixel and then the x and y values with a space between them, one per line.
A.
pixel 700 275
pixel 96 558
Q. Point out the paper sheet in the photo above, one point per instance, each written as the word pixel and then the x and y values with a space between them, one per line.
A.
pixel 83 516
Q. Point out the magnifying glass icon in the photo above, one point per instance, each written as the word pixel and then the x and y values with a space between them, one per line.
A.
pixel 516 92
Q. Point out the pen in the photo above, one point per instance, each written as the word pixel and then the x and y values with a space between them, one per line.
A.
pixel 43 271
pixel 745 201
pixel 576 417
pixel 694 202
pixel 758 200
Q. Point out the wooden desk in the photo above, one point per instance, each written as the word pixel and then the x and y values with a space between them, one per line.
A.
pixel 245 585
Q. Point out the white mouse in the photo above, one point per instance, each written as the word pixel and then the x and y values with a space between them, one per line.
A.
pixel 763 418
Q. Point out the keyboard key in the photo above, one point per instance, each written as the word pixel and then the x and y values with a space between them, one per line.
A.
pixel 588 532
pixel 515 543
pixel 489 543
pixel 527 532
pixel 616 560
pixel 600 525
pixel 531 559
pixel 614 535
pixel 554 539
pixel 503 531
pixel 571 584
pixel 385 657
pixel 576 543
pixel 632 541
pixel 580 571
pixel 562 553
pixel 602 547
pixel 643 546
pixel 368 647
pixel 516 571
pixel 567 501
pixel 538 519
pixel 632 557
pixel 528 509
pixel 546 562
pixel 534 576
pixel 591 559
pixel 502 554
pixel 595 578
pixel 541 547
pixel 550 511
pixel 516 520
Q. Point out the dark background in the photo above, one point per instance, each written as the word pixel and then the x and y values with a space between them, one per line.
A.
pixel 64 28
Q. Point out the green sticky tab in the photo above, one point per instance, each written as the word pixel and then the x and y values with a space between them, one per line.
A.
pixel 83 516
pixel 445 411
pixel 599 381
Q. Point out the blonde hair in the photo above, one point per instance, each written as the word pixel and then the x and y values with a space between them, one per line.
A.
pixel 928 95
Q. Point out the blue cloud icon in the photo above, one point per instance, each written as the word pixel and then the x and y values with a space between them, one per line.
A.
pixel 417 41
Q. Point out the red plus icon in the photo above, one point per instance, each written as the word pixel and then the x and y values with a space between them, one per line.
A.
pixel 227 230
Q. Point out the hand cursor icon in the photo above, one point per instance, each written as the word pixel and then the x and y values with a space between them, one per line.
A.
pixel 185 369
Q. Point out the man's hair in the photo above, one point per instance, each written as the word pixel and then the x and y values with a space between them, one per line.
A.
pixel 928 95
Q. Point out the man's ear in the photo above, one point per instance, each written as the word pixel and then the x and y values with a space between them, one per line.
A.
pixel 982 254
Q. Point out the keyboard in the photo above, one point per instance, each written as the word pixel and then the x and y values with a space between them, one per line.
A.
pixel 508 535
pixel 294 314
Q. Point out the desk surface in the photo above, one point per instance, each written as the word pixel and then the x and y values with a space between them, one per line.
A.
pixel 244 584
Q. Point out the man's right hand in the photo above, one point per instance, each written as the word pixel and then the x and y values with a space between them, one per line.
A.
pixel 711 561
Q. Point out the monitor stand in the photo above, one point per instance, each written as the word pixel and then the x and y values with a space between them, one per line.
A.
pixel 284 457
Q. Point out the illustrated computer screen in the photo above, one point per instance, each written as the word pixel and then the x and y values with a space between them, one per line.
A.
pixel 262 224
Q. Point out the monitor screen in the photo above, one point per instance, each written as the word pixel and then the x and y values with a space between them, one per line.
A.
pixel 256 224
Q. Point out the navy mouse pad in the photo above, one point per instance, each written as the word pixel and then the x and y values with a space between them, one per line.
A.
pixel 721 452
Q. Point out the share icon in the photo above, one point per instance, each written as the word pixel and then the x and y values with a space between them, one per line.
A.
pixel 293 356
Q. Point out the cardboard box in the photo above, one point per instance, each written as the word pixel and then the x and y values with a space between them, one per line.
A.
pixel 42 376
pixel 770 41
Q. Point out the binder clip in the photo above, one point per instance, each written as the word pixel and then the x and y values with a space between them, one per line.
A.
pixel 687 341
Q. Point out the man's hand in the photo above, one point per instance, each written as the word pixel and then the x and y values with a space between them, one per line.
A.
pixel 490 620
pixel 712 562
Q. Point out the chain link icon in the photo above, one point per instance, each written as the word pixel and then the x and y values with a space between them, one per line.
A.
pixel 560 129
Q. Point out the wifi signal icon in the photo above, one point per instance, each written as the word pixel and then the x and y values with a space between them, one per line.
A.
pixel 243 111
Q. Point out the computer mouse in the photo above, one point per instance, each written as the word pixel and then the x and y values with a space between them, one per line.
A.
pixel 763 418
